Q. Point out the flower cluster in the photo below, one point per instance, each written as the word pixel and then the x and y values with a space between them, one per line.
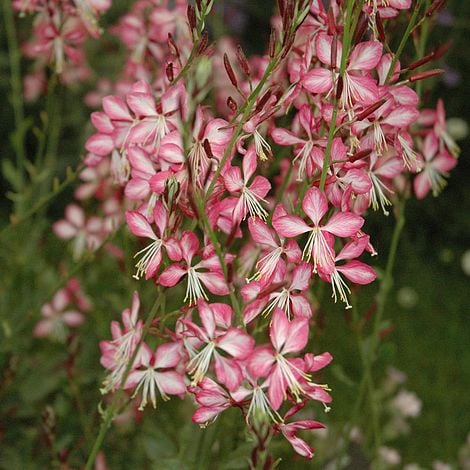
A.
pixel 252 203
pixel 60 29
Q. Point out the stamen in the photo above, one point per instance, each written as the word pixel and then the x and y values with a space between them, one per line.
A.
pixel 150 252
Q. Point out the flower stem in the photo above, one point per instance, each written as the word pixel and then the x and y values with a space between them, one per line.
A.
pixel 17 92
pixel 111 411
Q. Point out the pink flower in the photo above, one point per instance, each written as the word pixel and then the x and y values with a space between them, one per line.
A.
pixel 356 271
pixel 320 240
pixel 232 341
pixel 283 373
pixel 289 299
pixel 115 354
pixel 212 398
pixel 152 372
pixel 272 249
pixel 57 318
pixel 86 233
pixel 290 430
pixel 436 165
pixel 212 277
pixel 250 197
pixel 358 86
pixel 152 254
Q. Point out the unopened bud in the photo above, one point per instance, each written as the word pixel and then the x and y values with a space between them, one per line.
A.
pixel 427 74
pixel 360 155
pixel 380 27
pixel 230 72
pixel 369 110
pixel 231 104
pixel 191 13
pixel 207 148
pixel 442 50
pixel 420 62
pixel 436 5
pixel 331 22
pixel 339 87
pixel 172 46
pixel 334 50
pixel 201 47
pixel 272 43
pixel 169 72
pixel 243 61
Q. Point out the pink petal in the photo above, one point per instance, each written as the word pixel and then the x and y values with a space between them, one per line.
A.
pixel 215 282
pixel 100 144
pixel 142 104
pixel 228 372
pixel 139 225
pixel 318 80
pixel 301 277
pixel 277 387
pixel 315 205
pixel 233 179
pixel 422 185
pixel 116 108
pixel 207 317
pixel 323 48
pixel 73 318
pixel 260 232
pixel 300 306
pixel 260 186
pixel 206 414
pixel 284 137
pixel 75 215
pixel 64 229
pixel 299 445
pixel 314 362
pixel 402 116
pixel 297 337
pixel 344 224
pixel 249 163
pixel 260 362
pixel 290 226
pixel 102 122
pixel 171 382
pixel 279 329
pixel 137 189
pixel 140 161
pixel 160 217
pixel 358 272
pixel 237 343
pixel 365 56
pixel 171 275
pixel 189 245
pixel 363 89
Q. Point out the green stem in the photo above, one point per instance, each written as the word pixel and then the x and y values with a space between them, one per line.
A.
pixel 193 54
pixel 349 27
pixel 112 409
pixel 404 40
pixel 43 202
pixel 205 225
pixel 17 90
pixel 245 111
